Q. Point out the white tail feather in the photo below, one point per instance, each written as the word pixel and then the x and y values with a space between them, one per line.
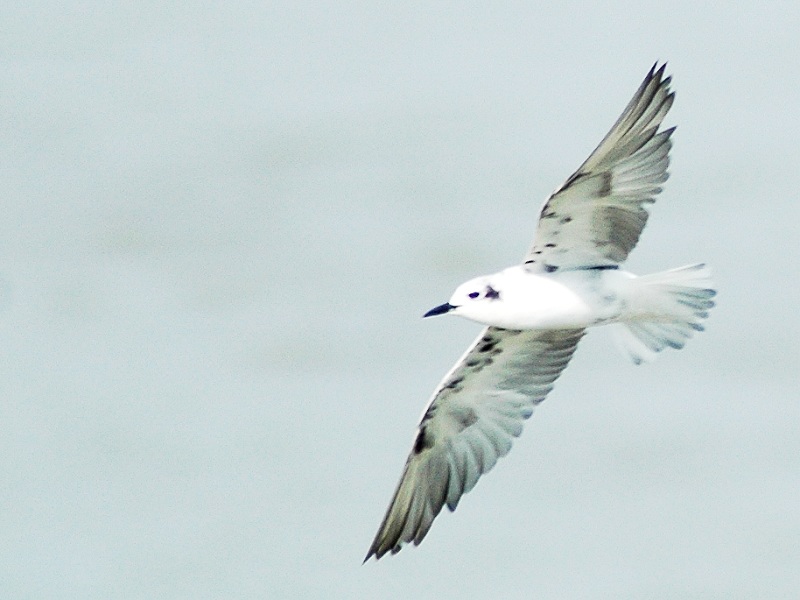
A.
pixel 664 310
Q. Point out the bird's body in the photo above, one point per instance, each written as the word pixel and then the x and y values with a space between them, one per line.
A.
pixel 569 299
pixel 535 314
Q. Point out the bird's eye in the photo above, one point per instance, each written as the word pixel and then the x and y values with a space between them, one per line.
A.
pixel 474 294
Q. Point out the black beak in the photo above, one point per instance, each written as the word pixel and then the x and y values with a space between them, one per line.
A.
pixel 439 310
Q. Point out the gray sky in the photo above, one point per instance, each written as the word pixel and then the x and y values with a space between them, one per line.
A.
pixel 223 223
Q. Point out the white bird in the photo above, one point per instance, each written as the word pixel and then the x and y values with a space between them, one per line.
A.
pixel 537 312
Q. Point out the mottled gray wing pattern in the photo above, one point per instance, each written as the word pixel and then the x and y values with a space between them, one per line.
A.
pixel 470 422
pixel 596 217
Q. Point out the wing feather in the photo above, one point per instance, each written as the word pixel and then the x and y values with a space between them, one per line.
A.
pixel 474 415
pixel 595 218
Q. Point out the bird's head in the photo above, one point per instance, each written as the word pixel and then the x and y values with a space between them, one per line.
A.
pixel 476 300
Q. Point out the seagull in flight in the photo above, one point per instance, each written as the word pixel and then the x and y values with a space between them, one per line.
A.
pixel 535 313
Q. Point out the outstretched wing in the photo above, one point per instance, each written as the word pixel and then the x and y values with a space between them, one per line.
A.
pixel 474 414
pixel 596 217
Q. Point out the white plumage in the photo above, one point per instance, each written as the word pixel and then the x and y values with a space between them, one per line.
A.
pixel 537 312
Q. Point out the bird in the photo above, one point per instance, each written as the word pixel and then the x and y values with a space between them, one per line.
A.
pixel 535 313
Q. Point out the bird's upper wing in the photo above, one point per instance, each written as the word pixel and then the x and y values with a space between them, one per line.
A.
pixel 470 422
pixel 596 217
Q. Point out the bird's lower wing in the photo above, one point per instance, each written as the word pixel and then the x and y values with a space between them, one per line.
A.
pixel 470 422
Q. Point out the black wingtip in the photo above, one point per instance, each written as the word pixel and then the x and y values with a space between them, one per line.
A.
pixel 376 550
pixel 373 551
pixel 657 72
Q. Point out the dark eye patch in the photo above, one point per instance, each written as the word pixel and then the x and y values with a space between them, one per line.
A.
pixel 492 293
pixel 473 294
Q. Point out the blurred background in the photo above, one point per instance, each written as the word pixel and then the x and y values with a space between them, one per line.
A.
pixel 221 224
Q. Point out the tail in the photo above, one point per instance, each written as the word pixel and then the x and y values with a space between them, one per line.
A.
pixel 664 309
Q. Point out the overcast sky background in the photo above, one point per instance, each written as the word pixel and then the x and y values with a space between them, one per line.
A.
pixel 221 224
